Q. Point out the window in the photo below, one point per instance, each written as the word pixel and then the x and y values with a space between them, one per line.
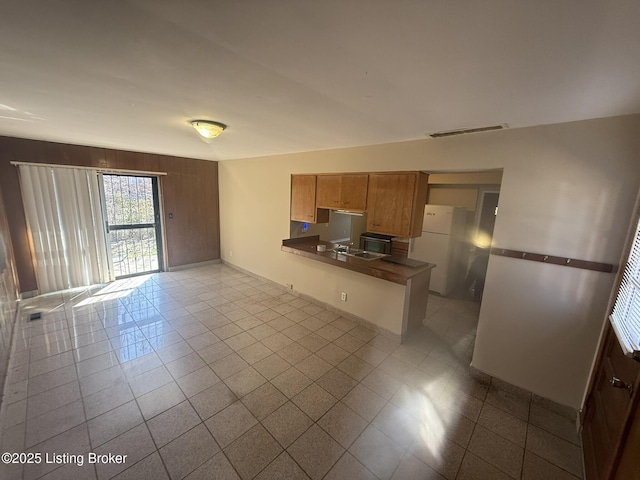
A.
pixel 625 316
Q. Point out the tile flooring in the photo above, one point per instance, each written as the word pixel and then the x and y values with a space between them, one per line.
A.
pixel 212 373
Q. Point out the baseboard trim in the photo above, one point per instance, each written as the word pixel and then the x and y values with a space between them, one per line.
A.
pixel 29 294
pixel 193 265
pixel 560 409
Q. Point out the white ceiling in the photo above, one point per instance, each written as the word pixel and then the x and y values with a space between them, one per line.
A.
pixel 300 75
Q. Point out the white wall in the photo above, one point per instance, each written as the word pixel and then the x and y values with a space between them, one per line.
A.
pixel 567 190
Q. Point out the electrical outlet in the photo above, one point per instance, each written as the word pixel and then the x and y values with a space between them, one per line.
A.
pixel 290 286
pixel 231 253
pixel 343 296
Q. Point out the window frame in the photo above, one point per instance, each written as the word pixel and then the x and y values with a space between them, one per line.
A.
pixel 627 293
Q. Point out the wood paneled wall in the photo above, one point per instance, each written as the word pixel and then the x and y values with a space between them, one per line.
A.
pixel 8 293
pixel 189 192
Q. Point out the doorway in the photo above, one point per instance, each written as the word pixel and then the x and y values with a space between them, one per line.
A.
pixel 488 211
pixel 451 322
pixel 131 205
pixel 482 240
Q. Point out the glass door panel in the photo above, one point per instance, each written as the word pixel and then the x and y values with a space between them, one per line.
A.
pixel 133 223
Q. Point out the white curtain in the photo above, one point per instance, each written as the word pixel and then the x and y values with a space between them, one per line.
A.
pixel 64 215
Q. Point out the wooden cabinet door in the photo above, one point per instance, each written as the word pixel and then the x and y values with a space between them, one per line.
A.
pixel 303 198
pixel 609 411
pixel 347 192
pixel 328 191
pixel 353 192
pixel 390 201
pixel 399 249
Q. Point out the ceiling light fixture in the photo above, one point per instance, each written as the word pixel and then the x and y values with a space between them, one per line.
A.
pixel 207 128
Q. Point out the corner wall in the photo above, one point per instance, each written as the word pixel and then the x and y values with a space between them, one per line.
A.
pixel 567 190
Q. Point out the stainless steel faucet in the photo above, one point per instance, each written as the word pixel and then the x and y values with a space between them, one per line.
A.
pixel 346 247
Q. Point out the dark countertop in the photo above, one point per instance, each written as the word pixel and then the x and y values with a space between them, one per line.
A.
pixel 306 247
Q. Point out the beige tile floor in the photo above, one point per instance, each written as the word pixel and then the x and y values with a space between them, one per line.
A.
pixel 212 373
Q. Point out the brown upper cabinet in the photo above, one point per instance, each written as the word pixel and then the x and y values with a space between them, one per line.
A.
pixel 395 203
pixel 344 192
pixel 303 200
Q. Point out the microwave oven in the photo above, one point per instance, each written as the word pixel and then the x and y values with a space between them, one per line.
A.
pixel 375 242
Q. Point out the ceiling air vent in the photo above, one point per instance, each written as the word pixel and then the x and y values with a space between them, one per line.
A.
pixel 451 133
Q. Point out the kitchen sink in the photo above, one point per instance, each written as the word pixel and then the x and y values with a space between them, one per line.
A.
pixel 363 254
pixel 368 255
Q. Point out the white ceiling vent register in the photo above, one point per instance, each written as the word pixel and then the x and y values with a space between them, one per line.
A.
pixel 462 131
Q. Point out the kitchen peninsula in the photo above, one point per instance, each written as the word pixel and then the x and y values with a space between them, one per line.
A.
pixel 414 279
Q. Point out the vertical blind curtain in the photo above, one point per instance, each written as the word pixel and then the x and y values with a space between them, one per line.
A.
pixel 64 215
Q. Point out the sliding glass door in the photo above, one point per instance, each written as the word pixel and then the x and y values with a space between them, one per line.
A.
pixel 133 223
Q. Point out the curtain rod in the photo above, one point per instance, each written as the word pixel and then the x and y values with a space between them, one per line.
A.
pixel 98 169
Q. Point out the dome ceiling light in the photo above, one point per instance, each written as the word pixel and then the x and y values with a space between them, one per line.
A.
pixel 207 128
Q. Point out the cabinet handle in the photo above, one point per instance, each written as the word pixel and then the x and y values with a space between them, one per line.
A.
pixel 617 383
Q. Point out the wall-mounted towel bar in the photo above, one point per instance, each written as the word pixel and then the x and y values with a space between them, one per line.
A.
pixel 564 261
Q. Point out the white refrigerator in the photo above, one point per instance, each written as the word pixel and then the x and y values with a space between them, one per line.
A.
pixel 442 243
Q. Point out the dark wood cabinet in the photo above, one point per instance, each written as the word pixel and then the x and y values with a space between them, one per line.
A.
pixel 399 249
pixel 611 426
